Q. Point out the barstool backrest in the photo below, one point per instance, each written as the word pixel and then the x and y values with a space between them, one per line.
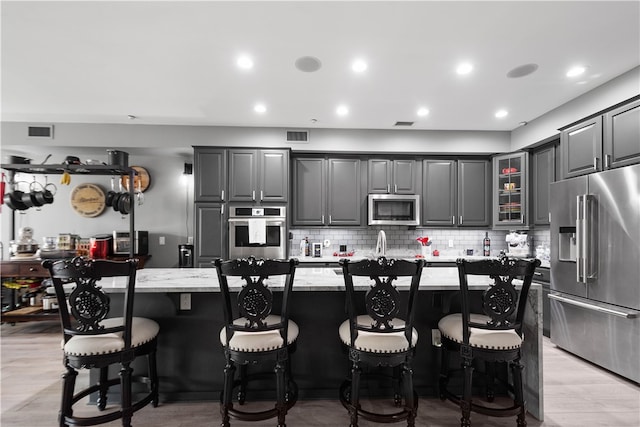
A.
pixel 88 304
pixel 255 299
pixel 502 303
pixel 382 299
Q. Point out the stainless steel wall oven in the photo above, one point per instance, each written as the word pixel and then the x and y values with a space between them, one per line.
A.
pixel 257 230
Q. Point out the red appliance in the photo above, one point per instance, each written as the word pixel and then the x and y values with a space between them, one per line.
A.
pixel 100 246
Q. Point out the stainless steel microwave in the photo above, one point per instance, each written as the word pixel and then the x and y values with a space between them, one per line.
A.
pixel 394 209
pixel 121 242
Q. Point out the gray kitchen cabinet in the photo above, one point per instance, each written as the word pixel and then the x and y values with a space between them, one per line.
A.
pixel 455 193
pixel 344 199
pixel 439 193
pixel 258 175
pixel 510 191
pixel 309 178
pixel 622 136
pixel 388 176
pixel 326 191
pixel 581 147
pixel 210 174
pixel 543 165
pixel 603 142
pixel 474 197
pixel 211 233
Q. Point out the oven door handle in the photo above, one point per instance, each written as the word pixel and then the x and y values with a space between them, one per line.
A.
pixel 270 221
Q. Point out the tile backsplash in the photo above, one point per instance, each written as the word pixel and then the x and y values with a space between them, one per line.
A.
pixel 401 239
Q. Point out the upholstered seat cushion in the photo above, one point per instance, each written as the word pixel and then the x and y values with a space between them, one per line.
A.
pixel 142 331
pixel 377 342
pixel 451 327
pixel 259 340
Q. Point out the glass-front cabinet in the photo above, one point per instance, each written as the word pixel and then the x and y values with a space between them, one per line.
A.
pixel 510 193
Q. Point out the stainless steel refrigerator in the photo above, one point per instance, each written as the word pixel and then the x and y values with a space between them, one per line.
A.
pixel 595 268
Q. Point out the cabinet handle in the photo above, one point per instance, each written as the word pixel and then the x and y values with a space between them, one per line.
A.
pixel 222 210
pixel 607 161
pixel 253 195
pixel 453 220
pixel 460 220
pixel 595 163
pixel 395 188
pixel 388 188
pixel 222 196
pixel 549 217
pixel 329 219
pixel 261 195
pixel 323 219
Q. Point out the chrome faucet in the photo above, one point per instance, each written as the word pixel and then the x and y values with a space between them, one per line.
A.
pixel 381 244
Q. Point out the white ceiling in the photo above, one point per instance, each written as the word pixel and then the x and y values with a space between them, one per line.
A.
pixel 174 62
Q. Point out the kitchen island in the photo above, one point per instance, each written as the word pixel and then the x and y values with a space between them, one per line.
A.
pixel 191 359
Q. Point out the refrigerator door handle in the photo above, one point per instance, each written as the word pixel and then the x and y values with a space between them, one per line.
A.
pixel 588 248
pixel 581 304
pixel 579 239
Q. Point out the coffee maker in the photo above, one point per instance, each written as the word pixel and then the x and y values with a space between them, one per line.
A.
pixel 519 244
pixel 185 256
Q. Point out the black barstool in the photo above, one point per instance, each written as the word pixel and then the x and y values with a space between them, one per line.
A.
pixel 381 335
pixel 488 338
pixel 93 341
pixel 253 334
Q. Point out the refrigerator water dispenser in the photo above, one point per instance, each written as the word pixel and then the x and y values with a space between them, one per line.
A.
pixel 567 250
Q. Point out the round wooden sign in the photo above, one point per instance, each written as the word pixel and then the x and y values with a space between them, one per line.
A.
pixel 141 179
pixel 88 200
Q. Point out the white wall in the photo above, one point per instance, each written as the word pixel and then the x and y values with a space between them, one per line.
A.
pixel 613 92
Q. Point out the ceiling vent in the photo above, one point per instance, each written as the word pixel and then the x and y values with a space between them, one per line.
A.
pixel 299 136
pixel 40 131
pixel 404 124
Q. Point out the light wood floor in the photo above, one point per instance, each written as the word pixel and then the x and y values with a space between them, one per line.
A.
pixel 577 393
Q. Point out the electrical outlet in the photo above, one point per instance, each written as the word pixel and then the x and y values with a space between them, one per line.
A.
pixel 436 338
pixel 185 301
pixel 450 243
pixel 161 240
pixel 190 240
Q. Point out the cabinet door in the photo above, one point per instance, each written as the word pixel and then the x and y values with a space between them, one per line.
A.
pixel 404 176
pixel 344 199
pixel 243 173
pixel 510 190
pixel 379 176
pixel 473 193
pixel 274 175
pixel 439 192
pixel 622 136
pixel 309 191
pixel 544 163
pixel 581 147
pixel 210 174
pixel 211 233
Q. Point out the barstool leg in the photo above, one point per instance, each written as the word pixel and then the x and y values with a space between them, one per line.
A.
pixel 125 391
pixel 444 373
pixel 153 377
pixel 410 403
pixel 281 405
pixel 104 388
pixel 517 369
pixel 229 372
pixel 242 390
pixel 397 394
pixel 490 367
pixel 355 394
pixel 465 401
pixel 68 386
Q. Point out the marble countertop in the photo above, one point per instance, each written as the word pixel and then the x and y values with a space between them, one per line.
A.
pixel 357 257
pixel 154 280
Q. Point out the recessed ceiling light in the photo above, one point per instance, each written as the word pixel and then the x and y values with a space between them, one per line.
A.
pixel 464 68
pixel 342 110
pixel 359 66
pixel 245 62
pixel 422 111
pixel 576 71
pixel 501 113
pixel 260 108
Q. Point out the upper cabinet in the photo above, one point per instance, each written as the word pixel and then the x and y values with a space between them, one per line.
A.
pixel 327 191
pixel 602 142
pixel 543 168
pixel 456 193
pixel 388 176
pixel 210 175
pixel 510 192
pixel 258 176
